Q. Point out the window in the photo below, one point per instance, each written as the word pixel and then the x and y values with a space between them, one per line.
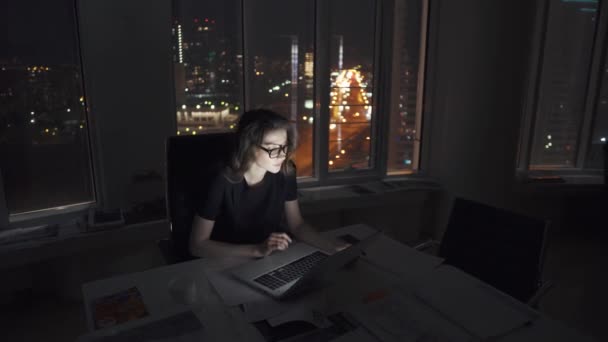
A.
pixel 351 64
pixel 568 121
pixel 276 63
pixel 44 151
pixel 405 121
pixel 208 64
pixel 280 66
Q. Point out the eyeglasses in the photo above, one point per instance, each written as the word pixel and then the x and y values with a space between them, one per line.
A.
pixel 275 153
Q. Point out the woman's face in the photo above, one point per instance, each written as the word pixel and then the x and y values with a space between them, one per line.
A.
pixel 273 139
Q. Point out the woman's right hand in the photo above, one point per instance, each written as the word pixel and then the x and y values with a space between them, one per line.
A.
pixel 276 241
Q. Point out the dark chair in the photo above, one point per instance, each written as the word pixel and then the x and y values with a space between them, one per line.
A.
pixel 499 247
pixel 192 161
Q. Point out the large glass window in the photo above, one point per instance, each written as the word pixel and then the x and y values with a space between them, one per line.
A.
pixel 351 100
pixel 208 64
pixel 564 76
pixel 268 60
pixel 279 45
pixel 405 119
pixel 44 150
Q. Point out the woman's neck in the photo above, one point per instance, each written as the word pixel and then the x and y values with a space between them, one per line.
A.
pixel 254 174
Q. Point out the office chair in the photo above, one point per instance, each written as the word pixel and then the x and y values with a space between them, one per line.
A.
pixel 501 248
pixel 192 161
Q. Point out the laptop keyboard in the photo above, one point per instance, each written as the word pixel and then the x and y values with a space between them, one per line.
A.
pixel 283 275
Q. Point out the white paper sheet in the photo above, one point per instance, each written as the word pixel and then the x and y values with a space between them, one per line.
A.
pixel 394 257
pixel 469 303
pixel 178 327
pixel 397 318
pixel 232 291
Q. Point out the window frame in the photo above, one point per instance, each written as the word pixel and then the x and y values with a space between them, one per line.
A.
pixel 59 214
pixel 384 58
pixel 383 61
pixel 532 96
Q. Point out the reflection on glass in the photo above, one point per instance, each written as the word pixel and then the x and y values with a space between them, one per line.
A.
pixel 405 114
pixel 279 39
pixel 567 54
pixel 44 155
pixel 351 84
pixel 207 63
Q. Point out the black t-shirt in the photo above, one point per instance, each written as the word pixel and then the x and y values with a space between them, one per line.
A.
pixel 248 214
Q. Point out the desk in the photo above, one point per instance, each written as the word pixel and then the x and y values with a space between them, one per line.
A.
pixel 423 297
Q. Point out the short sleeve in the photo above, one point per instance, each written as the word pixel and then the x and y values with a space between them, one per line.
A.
pixel 291 186
pixel 210 203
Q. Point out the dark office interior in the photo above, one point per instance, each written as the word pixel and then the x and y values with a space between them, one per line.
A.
pixel 509 104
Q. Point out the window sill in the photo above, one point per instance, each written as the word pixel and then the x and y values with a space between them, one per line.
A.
pixel 70 239
pixel 364 195
pixel 565 182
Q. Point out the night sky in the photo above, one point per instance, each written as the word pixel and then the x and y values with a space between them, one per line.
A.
pixel 42 31
pixel 38 31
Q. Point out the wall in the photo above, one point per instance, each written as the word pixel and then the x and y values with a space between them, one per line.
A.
pixel 479 58
pixel 127 70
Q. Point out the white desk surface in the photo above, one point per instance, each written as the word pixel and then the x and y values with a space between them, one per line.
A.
pixel 396 271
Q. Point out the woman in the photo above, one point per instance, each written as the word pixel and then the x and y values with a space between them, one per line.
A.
pixel 252 208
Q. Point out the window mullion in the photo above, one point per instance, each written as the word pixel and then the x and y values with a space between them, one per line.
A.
pixel 593 87
pixel 534 75
pixel 383 58
pixel 321 74
pixel 247 62
pixel 3 207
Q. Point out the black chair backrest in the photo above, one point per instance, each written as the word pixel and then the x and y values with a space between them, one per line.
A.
pixel 192 162
pixel 501 248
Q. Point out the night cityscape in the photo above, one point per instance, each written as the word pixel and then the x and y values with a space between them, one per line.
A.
pixel 451 170
pixel 209 92
pixel 43 114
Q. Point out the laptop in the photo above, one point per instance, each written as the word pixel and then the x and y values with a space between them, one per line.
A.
pixel 299 268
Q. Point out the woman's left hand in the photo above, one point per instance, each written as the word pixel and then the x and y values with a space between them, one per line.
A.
pixel 340 245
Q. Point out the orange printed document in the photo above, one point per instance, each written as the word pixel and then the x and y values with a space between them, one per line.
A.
pixel 118 308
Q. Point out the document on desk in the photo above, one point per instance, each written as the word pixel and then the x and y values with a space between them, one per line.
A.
pixel 232 291
pixel 469 303
pixel 396 258
pixel 400 318
pixel 388 254
pixel 175 327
